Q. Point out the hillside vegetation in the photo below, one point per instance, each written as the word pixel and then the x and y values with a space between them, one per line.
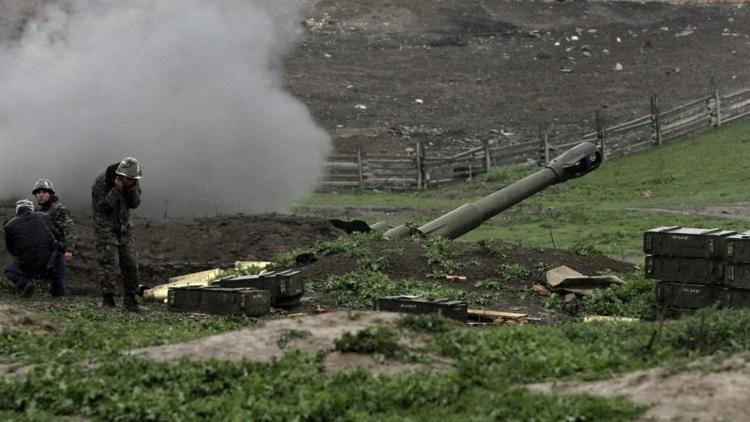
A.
pixel 682 183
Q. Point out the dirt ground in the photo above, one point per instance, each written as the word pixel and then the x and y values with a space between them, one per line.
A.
pixel 174 247
pixel 386 73
pixel 715 390
pixel 448 72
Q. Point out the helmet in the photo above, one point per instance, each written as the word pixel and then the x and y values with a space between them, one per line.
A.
pixel 43 184
pixel 129 167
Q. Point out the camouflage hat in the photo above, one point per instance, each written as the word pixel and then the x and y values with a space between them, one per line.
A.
pixel 129 167
pixel 45 184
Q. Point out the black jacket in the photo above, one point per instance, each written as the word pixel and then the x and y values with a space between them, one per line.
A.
pixel 31 237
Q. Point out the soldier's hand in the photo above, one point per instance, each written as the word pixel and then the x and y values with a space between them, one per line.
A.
pixel 119 184
pixel 68 256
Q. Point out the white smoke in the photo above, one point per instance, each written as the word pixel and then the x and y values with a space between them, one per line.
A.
pixel 192 88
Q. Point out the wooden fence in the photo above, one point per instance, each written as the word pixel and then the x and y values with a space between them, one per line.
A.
pixel 422 170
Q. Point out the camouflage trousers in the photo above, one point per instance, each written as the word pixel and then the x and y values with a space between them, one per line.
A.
pixel 117 257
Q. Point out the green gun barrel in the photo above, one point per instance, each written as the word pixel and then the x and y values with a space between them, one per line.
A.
pixel 576 162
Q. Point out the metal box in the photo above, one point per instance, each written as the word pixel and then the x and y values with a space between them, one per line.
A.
pixel 686 242
pixel 455 309
pixel 684 270
pixel 738 248
pixel 218 300
pixel 687 296
pixel 285 287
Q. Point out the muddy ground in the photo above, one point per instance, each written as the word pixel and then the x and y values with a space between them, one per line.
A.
pixel 447 72
pixel 173 247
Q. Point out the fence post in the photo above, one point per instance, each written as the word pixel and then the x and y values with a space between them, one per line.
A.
pixel 655 120
pixel 601 133
pixel 420 167
pixel 487 158
pixel 717 109
pixel 360 166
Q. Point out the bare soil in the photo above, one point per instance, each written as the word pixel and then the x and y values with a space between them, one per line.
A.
pixel 313 333
pixel 173 247
pixel 385 73
pixel 714 391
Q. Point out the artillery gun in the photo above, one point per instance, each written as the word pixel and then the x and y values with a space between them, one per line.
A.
pixel 575 162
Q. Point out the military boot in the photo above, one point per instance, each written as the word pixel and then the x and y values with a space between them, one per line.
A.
pixel 108 301
pixel 129 302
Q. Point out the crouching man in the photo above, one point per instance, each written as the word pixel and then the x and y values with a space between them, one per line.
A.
pixel 33 241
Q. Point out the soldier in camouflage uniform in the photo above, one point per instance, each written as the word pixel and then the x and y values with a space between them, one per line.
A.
pixel 49 203
pixel 114 193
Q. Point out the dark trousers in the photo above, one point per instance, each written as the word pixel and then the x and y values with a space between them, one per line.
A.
pixel 21 279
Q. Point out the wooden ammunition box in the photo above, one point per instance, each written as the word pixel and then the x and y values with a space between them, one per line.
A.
pixel 455 309
pixel 285 287
pixel 684 270
pixel 738 248
pixel 682 242
pixel 736 298
pixel 671 312
pixel 670 295
pixel 218 300
pixel 737 275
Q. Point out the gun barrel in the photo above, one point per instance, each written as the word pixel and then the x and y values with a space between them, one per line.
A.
pixel 576 162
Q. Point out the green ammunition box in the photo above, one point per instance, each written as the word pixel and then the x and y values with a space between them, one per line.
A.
pixel 736 298
pixel 285 287
pixel 671 312
pixel 218 300
pixel 738 248
pixel 686 242
pixel 687 296
pixel 684 270
pixel 455 309
pixel 737 275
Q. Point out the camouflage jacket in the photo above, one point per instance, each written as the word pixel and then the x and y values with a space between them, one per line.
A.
pixel 110 208
pixel 63 221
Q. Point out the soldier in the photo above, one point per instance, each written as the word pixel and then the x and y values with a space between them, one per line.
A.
pixel 33 241
pixel 49 203
pixel 114 193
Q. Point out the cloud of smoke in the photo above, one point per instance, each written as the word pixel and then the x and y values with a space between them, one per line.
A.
pixel 191 88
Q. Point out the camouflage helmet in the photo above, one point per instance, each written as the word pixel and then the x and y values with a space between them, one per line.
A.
pixel 45 184
pixel 129 167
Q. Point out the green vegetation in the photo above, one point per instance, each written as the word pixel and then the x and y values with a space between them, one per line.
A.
pixel 483 382
pixel 634 299
pixel 606 211
pixel 81 371
pixel 359 289
pixel 377 340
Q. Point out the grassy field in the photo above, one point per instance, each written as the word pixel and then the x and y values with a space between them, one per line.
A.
pixel 606 211
pixel 79 370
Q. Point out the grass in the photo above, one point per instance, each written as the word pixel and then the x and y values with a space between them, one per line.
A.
pixel 489 365
pixel 81 371
pixel 606 211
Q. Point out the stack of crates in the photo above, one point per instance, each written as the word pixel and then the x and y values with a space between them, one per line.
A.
pixel 691 267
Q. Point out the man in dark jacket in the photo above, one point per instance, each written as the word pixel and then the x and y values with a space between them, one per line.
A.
pixel 114 193
pixel 33 240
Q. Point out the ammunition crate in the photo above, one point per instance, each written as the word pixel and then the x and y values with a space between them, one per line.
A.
pixel 736 298
pixel 738 248
pixel 285 287
pixel 682 242
pixel 455 309
pixel 737 275
pixel 671 312
pixel 218 300
pixel 670 295
pixel 684 270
